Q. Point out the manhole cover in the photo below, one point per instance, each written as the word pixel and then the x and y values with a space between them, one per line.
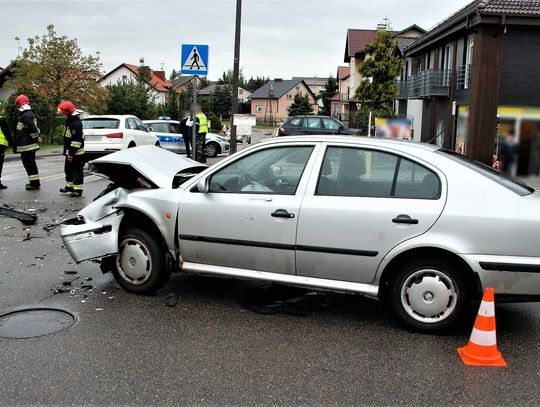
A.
pixel 33 322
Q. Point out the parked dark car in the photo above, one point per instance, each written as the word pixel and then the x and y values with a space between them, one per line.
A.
pixel 313 125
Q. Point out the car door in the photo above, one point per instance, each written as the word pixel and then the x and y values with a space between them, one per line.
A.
pixel 248 217
pixel 361 204
pixel 312 126
pixel 131 130
pixel 144 137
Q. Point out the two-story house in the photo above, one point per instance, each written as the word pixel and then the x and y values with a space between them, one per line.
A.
pixel 340 102
pixel 355 55
pixel 473 81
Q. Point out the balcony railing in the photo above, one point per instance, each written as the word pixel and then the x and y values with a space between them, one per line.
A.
pixel 463 75
pixel 431 82
pixel 402 89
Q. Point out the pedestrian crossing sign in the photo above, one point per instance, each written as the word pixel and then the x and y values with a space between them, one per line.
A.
pixel 194 59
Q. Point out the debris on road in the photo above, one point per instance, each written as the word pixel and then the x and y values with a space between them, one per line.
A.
pixel 284 300
pixel 24 217
pixel 171 300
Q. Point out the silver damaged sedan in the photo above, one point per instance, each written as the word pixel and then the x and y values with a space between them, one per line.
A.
pixel 421 228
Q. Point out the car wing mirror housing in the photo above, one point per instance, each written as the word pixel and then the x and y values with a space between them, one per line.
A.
pixel 203 185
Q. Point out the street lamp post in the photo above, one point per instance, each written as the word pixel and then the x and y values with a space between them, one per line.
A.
pixel 236 74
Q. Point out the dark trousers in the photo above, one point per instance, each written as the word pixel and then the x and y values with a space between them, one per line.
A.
pixel 2 155
pixel 74 172
pixel 187 142
pixel 199 147
pixel 29 162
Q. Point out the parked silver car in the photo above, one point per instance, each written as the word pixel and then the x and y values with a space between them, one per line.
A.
pixel 421 228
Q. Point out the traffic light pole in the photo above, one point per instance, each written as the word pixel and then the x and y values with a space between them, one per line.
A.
pixel 236 74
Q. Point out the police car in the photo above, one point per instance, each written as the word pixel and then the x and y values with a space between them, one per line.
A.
pixel 168 133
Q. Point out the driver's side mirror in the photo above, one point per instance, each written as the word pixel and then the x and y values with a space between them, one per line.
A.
pixel 203 185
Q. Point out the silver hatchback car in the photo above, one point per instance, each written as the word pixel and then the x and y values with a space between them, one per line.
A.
pixel 420 228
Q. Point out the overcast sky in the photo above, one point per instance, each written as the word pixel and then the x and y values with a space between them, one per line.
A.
pixel 280 38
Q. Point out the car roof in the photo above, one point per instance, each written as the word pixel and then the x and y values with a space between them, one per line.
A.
pixel 110 116
pixel 360 140
pixel 161 121
pixel 310 115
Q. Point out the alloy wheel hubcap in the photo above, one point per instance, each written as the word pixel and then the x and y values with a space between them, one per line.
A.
pixel 133 262
pixel 429 295
pixel 210 150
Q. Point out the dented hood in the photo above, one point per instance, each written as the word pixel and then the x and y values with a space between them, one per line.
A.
pixel 150 165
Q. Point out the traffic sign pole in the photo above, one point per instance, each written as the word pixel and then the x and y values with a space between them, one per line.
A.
pixel 194 126
pixel 236 74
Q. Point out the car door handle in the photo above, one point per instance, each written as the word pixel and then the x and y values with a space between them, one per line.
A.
pixel 405 219
pixel 282 213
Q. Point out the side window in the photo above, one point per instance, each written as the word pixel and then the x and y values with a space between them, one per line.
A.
pixel 140 125
pixel 312 122
pixel 416 182
pixel 270 171
pixel 175 128
pixel 369 173
pixel 330 124
pixel 295 122
pixel 130 124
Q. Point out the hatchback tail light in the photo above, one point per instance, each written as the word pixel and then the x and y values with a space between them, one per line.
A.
pixel 115 135
pixel 281 132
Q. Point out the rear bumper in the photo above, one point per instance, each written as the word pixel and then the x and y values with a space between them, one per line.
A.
pixel 514 279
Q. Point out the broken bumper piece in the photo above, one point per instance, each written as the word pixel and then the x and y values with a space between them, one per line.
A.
pixel 87 240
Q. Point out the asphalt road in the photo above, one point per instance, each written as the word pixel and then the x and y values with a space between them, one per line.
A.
pixel 210 348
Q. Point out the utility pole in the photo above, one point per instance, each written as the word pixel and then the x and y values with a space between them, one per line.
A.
pixel 236 74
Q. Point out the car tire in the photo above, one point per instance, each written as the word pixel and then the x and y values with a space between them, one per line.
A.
pixel 212 149
pixel 140 265
pixel 132 144
pixel 158 144
pixel 428 294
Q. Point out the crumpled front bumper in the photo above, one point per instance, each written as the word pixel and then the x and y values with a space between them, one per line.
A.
pixel 86 240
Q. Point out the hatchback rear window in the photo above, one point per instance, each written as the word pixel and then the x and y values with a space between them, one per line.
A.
pixel 100 123
pixel 512 184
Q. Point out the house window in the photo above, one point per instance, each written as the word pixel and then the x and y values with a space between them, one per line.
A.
pixel 298 88
pixel 258 108
pixel 124 78
pixel 240 91
pixel 468 60
pixel 289 96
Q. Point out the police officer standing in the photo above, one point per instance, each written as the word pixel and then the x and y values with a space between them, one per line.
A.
pixel 73 149
pixel 27 140
pixel 5 141
pixel 201 130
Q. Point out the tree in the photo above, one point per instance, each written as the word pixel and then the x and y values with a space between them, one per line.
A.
pixel 222 100
pixel 330 90
pixel 56 68
pixel 133 97
pixel 255 83
pixel 301 105
pixel 227 78
pixel 380 69
pixel 202 82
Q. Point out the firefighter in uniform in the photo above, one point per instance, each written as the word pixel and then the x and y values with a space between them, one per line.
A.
pixel 5 141
pixel 27 140
pixel 201 130
pixel 73 149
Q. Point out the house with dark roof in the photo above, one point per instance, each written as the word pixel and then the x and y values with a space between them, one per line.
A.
pixel 340 102
pixel 6 74
pixel 355 54
pixel 473 81
pixel 315 83
pixel 183 82
pixel 274 98
pixel 128 72
pixel 243 93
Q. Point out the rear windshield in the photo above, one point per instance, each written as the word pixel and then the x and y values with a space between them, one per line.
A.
pixel 512 184
pixel 101 123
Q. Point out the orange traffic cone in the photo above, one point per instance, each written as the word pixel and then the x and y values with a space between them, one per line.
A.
pixel 482 347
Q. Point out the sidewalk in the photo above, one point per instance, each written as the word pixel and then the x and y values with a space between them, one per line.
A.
pixel 42 153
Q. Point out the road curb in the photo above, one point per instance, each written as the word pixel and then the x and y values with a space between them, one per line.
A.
pixel 14 157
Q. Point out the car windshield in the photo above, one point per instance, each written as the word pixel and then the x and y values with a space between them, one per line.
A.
pixel 101 123
pixel 512 184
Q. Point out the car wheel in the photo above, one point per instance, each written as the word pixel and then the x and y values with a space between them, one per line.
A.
pixel 140 263
pixel 132 144
pixel 428 294
pixel 157 144
pixel 211 149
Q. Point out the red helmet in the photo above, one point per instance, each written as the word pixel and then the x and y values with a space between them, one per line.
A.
pixel 66 107
pixel 22 100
